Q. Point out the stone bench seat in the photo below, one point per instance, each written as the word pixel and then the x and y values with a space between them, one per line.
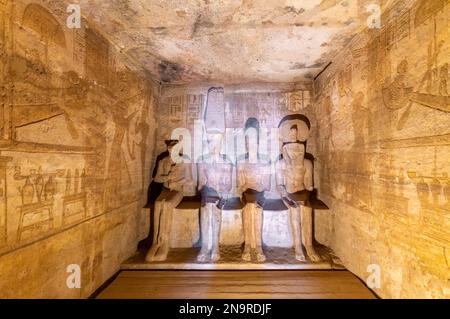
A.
pixel 234 203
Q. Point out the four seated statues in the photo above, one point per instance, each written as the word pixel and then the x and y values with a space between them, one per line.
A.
pixel 294 185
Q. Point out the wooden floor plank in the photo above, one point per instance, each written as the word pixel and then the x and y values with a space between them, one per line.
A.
pixel 235 284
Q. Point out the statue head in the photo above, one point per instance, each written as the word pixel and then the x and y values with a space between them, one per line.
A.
pixel 293 133
pixel 170 144
pixel 251 132
pixel 294 127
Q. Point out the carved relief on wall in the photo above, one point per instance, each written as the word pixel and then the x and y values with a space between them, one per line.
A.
pixel 345 80
pixel 68 100
pixel 299 100
pixel 176 109
pixel 396 168
pixel 360 120
pixel 396 22
pixel 79 48
pixel 42 21
pixel 426 10
pixel 42 200
pixel 39 47
pixel 74 199
pixel 37 192
pixel 432 90
pixel 431 185
pixel 3 199
pixel 236 114
pixel 194 108
pixel 97 57
pixel 124 145
pixel 180 111
pixel 4 58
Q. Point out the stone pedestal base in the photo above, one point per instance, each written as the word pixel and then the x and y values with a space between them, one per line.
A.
pixel 277 258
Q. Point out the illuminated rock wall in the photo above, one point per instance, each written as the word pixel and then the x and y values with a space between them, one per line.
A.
pixel 76 145
pixel 381 121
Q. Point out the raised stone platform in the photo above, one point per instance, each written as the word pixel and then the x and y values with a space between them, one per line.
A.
pixel 277 258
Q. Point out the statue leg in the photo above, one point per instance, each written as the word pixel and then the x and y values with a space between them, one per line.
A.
pixel 246 218
pixel 156 230
pixel 166 222
pixel 205 227
pixel 296 232
pixel 307 233
pixel 258 226
pixel 216 216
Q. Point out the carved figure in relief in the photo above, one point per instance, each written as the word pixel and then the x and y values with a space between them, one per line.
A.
pixel 295 101
pixel 173 176
pixel 253 179
pixel 215 182
pixel 431 92
pixel 443 80
pixel 294 178
pixel 396 95
pixel 446 189
pixel 359 119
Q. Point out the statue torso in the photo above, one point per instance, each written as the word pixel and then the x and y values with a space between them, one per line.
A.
pixel 254 175
pixel 217 175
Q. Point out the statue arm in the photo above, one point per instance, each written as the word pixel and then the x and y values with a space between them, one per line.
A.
pixel 202 179
pixel 228 179
pixel 160 177
pixel 188 175
pixel 180 176
pixel 279 178
pixel 309 175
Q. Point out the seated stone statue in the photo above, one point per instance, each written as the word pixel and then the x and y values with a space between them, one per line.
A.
pixel 215 182
pixel 253 179
pixel 154 190
pixel 173 176
pixel 294 178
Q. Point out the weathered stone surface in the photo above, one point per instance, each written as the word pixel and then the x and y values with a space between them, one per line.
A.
pixel 76 144
pixel 381 126
pixel 233 41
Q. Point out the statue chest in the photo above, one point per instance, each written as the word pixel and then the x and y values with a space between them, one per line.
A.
pixel 295 176
pixel 216 173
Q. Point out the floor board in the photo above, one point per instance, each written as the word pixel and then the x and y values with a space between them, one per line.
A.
pixel 192 284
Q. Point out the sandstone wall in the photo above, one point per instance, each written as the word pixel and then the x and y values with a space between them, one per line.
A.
pixel 381 120
pixel 76 144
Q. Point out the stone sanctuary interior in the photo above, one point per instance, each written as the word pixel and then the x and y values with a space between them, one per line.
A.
pixel 216 149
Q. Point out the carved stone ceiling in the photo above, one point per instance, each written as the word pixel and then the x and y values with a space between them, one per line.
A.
pixel 231 41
